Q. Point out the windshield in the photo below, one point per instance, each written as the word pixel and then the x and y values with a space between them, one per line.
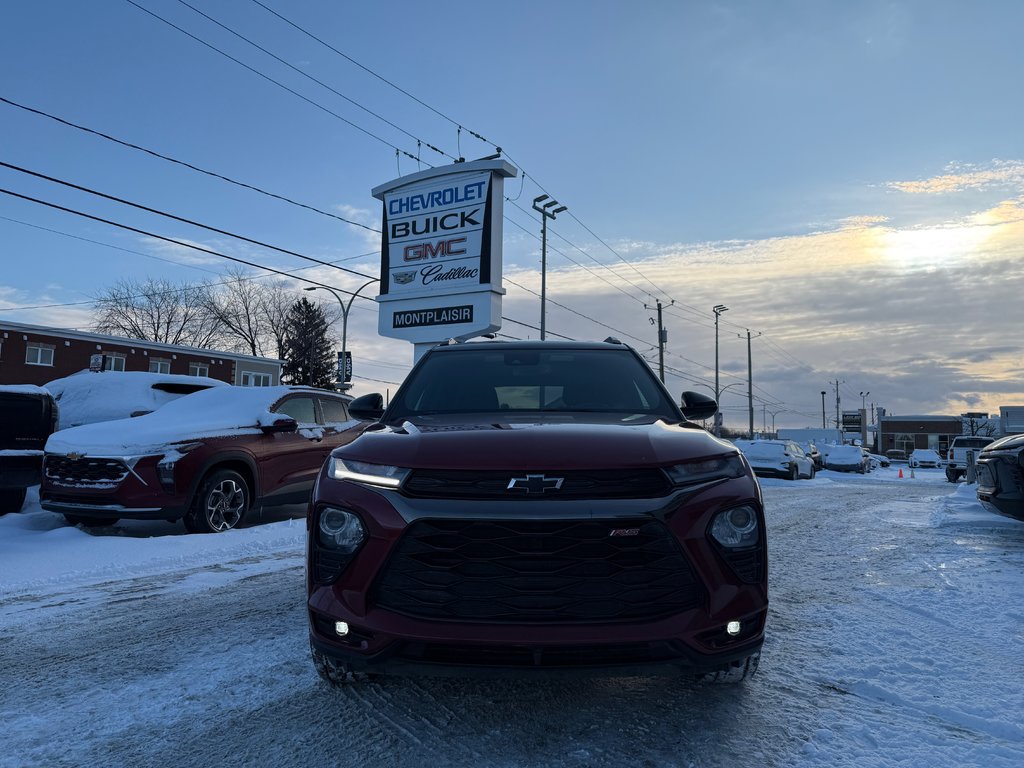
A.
pixel 511 381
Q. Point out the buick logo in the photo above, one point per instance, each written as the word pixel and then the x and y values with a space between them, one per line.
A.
pixel 535 484
pixel 75 456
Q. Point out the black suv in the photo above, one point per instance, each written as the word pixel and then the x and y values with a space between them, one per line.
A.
pixel 536 506
pixel 28 416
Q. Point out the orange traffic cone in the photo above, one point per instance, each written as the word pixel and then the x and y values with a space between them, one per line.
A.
pixel 901 474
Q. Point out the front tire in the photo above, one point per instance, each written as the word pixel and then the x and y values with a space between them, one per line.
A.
pixel 794 472
pixel 220 504
pixel 337 673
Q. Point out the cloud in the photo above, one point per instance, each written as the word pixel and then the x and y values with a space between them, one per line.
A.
pixel 961 177
pixel 366 217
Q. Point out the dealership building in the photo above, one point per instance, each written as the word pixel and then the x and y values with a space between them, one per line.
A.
pixel 35 354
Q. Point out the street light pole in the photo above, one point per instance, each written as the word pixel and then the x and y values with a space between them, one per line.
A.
pixel 823 410
pixel 546 213
pixel 345 307
pixel 863 400
pixel 718 309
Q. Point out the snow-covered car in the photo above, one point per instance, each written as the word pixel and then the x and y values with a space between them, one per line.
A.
pixel 777 458
pixel 27 417
pixel 88 397
pixel 1001 477
pixel 924 458
pixel 878 461
pixel 846 458
pixel 207 459
pixel 813 454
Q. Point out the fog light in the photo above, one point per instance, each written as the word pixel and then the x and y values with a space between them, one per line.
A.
pixel 732 628
pixel 341 628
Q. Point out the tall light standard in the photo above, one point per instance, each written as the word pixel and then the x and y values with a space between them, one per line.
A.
pixel 718 309
pixel 863 400
pixel 345 307
pixel 546 213
pixel 823 410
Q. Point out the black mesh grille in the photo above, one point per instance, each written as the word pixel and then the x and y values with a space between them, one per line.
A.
pixel 85 470
pixel 592 484
pixel 538 571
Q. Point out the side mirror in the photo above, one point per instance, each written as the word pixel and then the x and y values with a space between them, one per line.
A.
pixel 284 424
pixel 697 407
pixel 367 407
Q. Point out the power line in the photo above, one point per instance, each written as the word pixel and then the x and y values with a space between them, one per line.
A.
pixel 318 82
pixel 185 164
pixel 181 243
pixel 279 84
pixel 375 74
pixel 180 218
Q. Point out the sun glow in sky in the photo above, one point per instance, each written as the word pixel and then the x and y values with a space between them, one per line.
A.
pixel 820 168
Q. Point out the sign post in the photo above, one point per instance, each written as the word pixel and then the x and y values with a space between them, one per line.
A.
pixel 440 274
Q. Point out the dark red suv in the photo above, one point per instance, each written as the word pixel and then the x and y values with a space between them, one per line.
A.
pixel 535 506
pixel 207 458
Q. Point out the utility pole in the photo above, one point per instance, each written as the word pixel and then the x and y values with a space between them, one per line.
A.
pixel 662 341
pixel 546 213
pixel 718 309
pixel 839 423
pixel 750 385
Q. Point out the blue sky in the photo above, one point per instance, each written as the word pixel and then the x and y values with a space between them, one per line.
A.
pixel 847 177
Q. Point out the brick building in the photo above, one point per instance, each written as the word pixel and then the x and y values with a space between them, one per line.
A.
pixel 905 433
pixel 35 354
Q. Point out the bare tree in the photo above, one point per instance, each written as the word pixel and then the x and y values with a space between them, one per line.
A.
pixel 244 307
pixel 159 310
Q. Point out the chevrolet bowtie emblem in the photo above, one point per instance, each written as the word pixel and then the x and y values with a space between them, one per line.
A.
pixel 535 484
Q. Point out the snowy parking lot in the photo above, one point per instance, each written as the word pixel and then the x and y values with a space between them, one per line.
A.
pixel 895 637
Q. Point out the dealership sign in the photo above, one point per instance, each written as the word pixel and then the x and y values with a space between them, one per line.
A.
pixel 441 252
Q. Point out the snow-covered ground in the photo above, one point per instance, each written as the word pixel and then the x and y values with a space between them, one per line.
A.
pixel 896 637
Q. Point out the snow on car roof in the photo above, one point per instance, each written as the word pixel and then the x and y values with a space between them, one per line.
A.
pixel 23 389
pixel 212 412
pixel 87 397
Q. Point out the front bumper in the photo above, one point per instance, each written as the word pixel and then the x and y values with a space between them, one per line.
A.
pixel 692 639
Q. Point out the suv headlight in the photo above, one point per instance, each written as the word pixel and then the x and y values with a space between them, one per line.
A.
pixel 363 472
pixel 736 528
pixel 165 467
pixel 701 471
pixel 341 531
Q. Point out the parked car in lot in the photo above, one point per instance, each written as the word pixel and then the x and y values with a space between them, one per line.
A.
pixel 846 458
pixel 27 417
pixel 962 445
pixel 88 397
pixel 532 506
pixel 812 452
pixel 924 458
pixel 1001 476
pixel 896 455
pixel 878 461
pixel 207 459
pixel 777 458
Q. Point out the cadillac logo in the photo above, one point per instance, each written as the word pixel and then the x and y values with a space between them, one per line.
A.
pixel 404 278
pixel 535 484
